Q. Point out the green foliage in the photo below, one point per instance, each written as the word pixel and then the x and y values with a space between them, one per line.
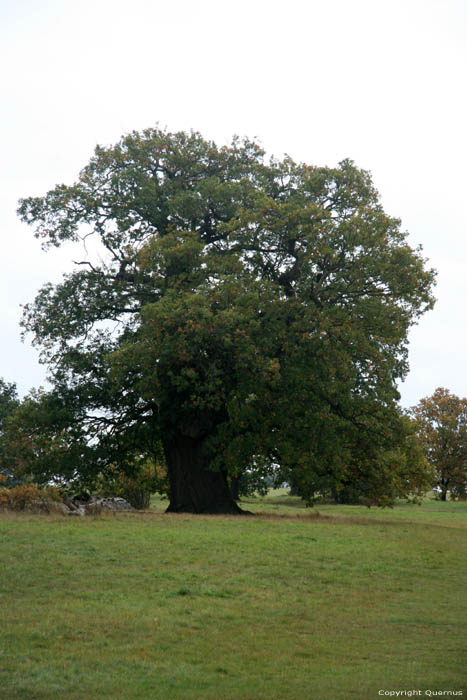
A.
pixel 246 314
pixel 9 401
pixel 42 441
pixel 145 478
pixel 441 421
pixel 401 472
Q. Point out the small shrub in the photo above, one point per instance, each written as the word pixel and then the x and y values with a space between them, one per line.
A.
pixel 28 496
pixel 4 497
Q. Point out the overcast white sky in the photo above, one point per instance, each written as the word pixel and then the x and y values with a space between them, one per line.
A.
pixel 380 81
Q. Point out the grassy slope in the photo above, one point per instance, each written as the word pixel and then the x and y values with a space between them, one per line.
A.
pixel 293 606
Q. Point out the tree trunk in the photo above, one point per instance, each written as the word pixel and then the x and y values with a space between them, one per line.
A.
pixel 235 487
pixel 193 487
pixel 444 489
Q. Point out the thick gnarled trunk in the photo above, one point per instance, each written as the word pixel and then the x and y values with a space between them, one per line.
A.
pixel 193 487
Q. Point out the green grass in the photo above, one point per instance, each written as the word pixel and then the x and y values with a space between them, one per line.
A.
pixel 288 604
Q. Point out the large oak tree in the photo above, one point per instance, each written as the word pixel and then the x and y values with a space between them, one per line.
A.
pixel 249 314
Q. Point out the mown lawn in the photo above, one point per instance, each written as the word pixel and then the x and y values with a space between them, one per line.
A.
pixel 288 604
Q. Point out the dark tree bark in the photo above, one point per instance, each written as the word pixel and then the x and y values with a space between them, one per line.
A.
pixel 444 488
pixel 235 487
pixel 193 487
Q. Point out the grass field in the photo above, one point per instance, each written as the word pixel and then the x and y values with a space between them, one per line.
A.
pixel 330 603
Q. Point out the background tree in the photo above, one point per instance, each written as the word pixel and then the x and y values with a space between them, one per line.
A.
pixel 442 428
pixel 41 441
pixel 249 315
pixel 9 401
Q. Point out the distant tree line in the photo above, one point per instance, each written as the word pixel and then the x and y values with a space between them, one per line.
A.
pixel 436 443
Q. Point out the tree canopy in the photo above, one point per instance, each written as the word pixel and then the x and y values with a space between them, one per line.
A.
pixel 251 315
pixel 442 428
